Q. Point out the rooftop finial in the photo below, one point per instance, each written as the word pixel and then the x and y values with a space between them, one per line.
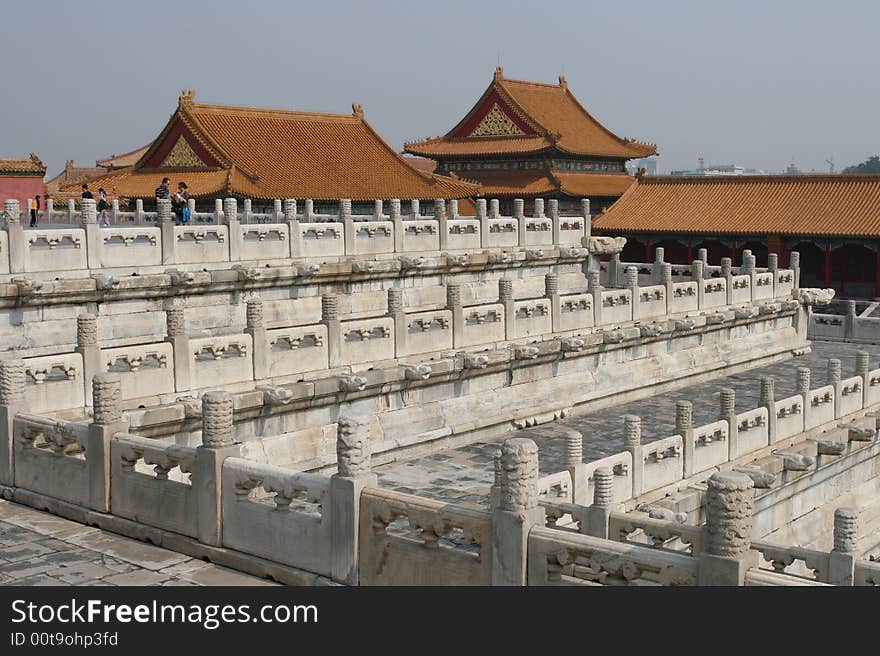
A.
pixel 186 96
pixel 562 81
pixel 499 73
pixel 357 109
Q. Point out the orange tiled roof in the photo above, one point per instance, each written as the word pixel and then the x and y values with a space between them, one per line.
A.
pixel 553 116
pixel 808 205
pixel 535 183
pixel 264 154
pixel 30 165
pixel 122 161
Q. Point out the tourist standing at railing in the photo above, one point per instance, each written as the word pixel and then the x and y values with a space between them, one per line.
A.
pixel 162 191
pixel 35 210
pixel 86 193
pixel 181 200
pixel 102 207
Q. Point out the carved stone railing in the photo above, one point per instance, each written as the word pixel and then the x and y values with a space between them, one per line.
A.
pixel 656 533
pixel 813 564
pixel 401 534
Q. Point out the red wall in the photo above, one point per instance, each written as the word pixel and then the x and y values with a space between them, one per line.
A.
pixel 22 188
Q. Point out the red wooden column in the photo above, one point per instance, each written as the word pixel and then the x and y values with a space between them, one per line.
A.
pixel 690 251
pixel 877 273
pixel 828 265
pixel 648 256
pixel 776 245
pixel 733 254
pixel 844 270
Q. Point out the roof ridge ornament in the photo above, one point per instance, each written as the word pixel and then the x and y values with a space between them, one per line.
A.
pixel 499 73
pixel 562 82
pixel 187 96
pixel 357 110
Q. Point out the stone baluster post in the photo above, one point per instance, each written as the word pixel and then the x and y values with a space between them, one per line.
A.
pixel 246 210
pixel 835 371
pixel 165 218
pixel 378 209
pixel 50 210
pixel 574 462
pixel 191 206
pixel 794 263
pixel 12 400
pixel 505 298
pixel 727 274
pixel 495 489
pixel 277 210
pixel 697 275
pixel 107 420
pixel 353 474
pixel 176 335
pixel 657 266
pixel 727 554
pixel 748 269
pixel 632 284
pixel 94 241
pixel 727 413
pixel 843 557
pixel 308 210
pixel 397 226
pixel 330 318
pixel 442 223
pixel 803 388
pixel 87 346
pixel 17 245
pixel 588 220
pixel 401 325
pixel 138 212
pixel 453 304
pixel 538 208
pixel 218 211
pixel 551 293
pixel 768 400
pixel 494 209
pixel 863 367
pixel 599 511
pixel 519 214
pixel 632 442
pixel 703 256
pixel 293 227
pixel 415 209
pixel 114 209
pixel 849 320
pixel 684 426
pixel 483 218
pixel 553 211
pixel 594 287
pixel 772 262
pixel 517 511
pixel 349 228
pixel 257 330
pixel 230 210
pixel 666 281
pixel 218 443
pixel 71 211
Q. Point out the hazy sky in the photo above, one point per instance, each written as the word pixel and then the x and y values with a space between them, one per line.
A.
pixel 757 83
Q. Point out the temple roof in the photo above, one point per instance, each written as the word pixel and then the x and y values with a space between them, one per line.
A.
pixel 30 166
pixel 517 117
pixel 808 205
pixel 122 161
pixel 536 183
pixel 265 153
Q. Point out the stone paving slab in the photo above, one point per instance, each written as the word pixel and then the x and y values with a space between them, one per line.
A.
pixel 464 474
pixel 37 548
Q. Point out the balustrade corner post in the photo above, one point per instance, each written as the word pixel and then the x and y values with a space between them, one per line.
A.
pixel 505 298
pixel 666 281
pixel 330 318
pixel 293 227
pixel 277 210
pixel 727 554
pixel 551 293
pixel 107 420
pixel 353 474
pixel 574 462
pixel 594 287
pixel 599 512
pixel 348 228
pixel 94 241
pixel 165 218
pixel 177 336
pixel 727 412
pixel 768 401
pixel 398 314
pixel 727 274
pixel 483 218
pixel 398 229
pixel 794 263
pixel 835 374
pixel 87 346
pixel 516 513
pixel 218 443
pixel 15 231
pixel 632 442
pixel 442 223
pixel 697 275
pixel 555 222
pixel 843 557
pixel 588 220
pixel 12 401
pixel 233 225
pixel 684 426
pixel 657 266
pixel 257 330
pixel 453 304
